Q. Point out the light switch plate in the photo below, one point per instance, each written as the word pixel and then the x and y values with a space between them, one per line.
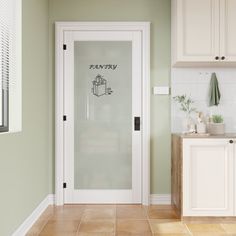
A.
pixel 161 90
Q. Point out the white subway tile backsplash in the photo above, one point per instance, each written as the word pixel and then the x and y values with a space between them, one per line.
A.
pixel 228 91
pixel 195 82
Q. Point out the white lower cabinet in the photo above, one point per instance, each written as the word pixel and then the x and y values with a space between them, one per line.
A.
pixel 203 176
pixel 208 177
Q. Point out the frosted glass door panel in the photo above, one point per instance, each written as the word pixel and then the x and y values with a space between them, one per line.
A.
pixel 103 115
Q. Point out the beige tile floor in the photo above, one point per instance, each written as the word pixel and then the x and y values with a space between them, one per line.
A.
pixel 121 220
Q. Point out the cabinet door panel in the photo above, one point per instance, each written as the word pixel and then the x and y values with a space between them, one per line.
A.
pixel 197 30
pixel 208 178
pixel 228 30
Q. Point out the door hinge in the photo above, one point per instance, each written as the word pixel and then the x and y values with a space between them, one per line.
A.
pixel 64 185
pixel 137 123
pixel 64 47
pixel 64 118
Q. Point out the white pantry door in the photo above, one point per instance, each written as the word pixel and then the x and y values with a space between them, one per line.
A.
pixel 102 104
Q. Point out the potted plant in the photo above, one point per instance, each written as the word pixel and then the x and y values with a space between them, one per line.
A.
pixel 186 105
pixel 217 125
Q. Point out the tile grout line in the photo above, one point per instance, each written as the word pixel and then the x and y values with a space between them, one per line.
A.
pixel 77 231
pixel 115 219
pixel 190 233
pixel 224 228
pixel 46 220
pixel 148 219
pixel 43 226
pixel 153 233
pixel 139 219
pixel 149 223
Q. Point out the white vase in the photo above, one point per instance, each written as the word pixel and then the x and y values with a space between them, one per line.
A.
pixel 188 125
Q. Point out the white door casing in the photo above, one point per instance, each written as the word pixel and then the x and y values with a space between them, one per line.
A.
pixel 61 29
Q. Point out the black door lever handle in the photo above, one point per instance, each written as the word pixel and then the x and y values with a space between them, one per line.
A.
pixel 137 123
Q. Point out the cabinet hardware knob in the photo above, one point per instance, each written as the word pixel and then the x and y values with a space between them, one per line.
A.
pixel 231 141
pixel 217 58
pixel 222 58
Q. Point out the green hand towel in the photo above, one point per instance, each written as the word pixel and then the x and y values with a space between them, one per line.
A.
pixel 214 91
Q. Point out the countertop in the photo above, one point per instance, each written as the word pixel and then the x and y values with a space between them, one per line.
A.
pixel 226 135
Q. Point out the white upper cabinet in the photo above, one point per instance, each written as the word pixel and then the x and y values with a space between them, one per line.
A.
pixel 228 30
pixel 203 32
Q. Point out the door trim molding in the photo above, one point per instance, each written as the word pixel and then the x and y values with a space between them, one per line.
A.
pixel 61 27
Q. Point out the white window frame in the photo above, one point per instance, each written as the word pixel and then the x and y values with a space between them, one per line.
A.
pixel 61 27
pixel 12 121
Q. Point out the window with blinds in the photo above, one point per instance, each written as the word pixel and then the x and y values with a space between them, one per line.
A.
pixel 10 15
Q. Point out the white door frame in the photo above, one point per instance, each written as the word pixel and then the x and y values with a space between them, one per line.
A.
pixel 61 27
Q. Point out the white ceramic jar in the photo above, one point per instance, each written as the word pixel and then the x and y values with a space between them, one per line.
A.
pixel 201 128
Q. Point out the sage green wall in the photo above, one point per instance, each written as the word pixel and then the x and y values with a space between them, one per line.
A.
pixel 158 13
pixel 27 163
pixel 24 156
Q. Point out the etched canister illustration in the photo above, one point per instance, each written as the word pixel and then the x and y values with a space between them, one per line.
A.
pixel 100 86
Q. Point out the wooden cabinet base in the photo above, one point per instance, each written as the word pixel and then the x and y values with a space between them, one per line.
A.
pixel 176 174
pixel 216 220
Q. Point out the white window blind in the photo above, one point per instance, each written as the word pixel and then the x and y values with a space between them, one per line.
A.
pixel 10 65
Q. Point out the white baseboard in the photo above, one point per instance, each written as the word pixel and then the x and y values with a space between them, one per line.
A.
pixel 51 199
pixel 160 199
pixel 28 223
